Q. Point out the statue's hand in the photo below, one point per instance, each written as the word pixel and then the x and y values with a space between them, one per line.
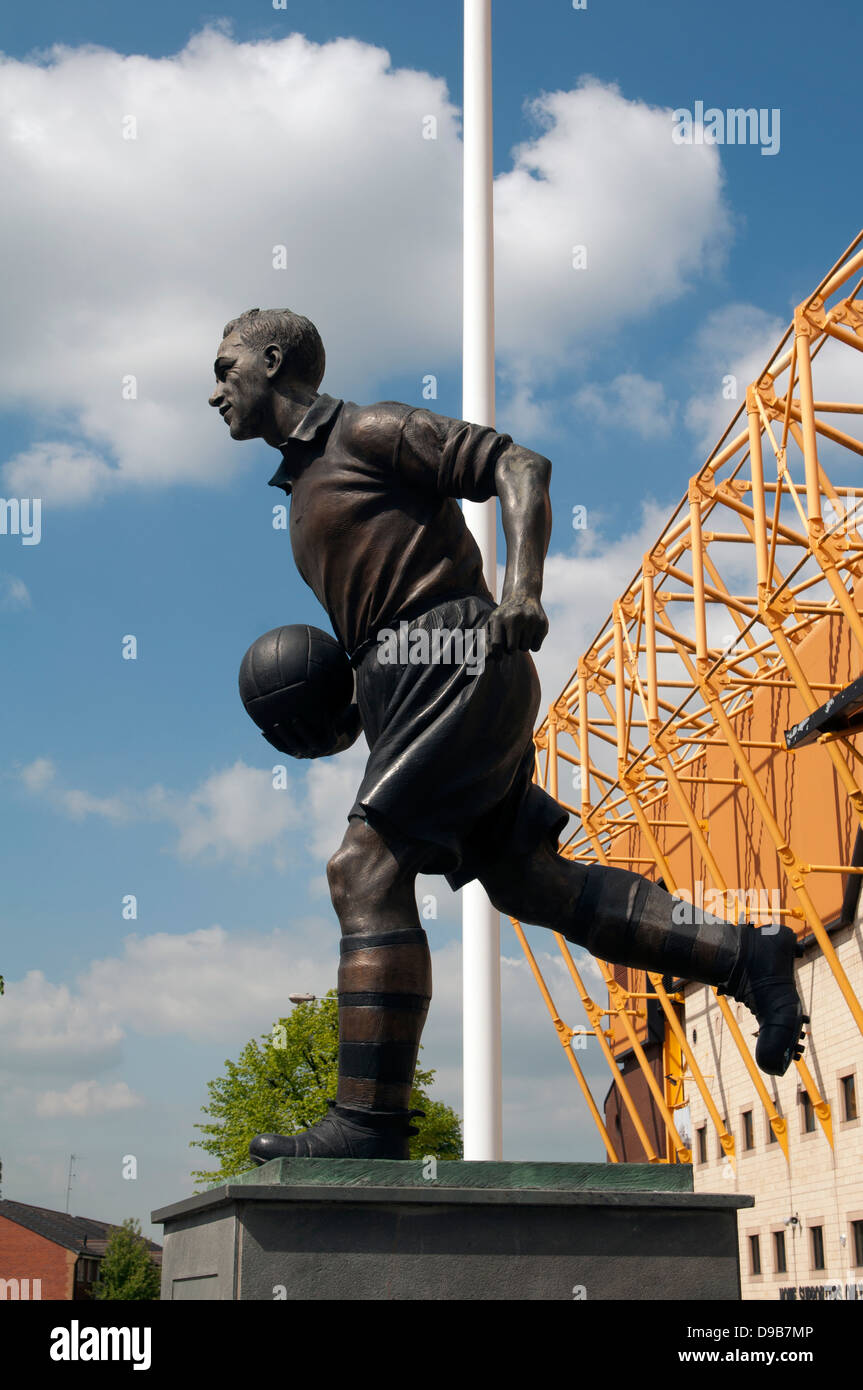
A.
pixel 517 625
pixel 299 739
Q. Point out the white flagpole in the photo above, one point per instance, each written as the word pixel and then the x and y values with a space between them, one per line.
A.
pixel 480 921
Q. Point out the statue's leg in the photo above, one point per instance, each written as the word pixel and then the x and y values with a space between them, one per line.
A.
pixel 623 918
pixel 384 993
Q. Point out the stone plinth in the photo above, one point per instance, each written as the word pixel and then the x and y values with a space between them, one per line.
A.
pixel 350 1229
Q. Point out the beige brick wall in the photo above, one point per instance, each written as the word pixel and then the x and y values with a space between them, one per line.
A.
pixel 820 1185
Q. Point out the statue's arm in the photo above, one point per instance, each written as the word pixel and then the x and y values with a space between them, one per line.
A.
pixel 459 459
pixel 521 480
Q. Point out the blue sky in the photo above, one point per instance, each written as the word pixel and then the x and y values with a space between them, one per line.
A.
pixel 145 777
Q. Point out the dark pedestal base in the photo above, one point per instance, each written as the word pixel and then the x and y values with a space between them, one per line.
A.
pixel 342 1229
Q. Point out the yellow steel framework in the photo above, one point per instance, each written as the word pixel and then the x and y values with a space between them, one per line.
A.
pixel 744 616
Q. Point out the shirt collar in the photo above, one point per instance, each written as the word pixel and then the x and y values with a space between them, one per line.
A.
pixel 320 413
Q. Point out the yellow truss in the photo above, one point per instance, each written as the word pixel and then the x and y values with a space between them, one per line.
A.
pixel 745 612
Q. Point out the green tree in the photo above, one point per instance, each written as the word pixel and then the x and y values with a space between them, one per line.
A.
pixel 127 1269
pixel 280 1085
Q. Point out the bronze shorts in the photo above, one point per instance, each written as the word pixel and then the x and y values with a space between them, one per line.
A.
pixel 451 751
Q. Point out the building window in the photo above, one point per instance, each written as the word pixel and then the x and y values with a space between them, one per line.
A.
pixel 701 1135
pixel 88 1271
pixel 779 1252
pixel 849 1097
pixel 808 1113
pixel 748 1134
pixel 817 1234
pixel 720 1152
pixel 771 1134
pixel 857 1236
pixel 754 1254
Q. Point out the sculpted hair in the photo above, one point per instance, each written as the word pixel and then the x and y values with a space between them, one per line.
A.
pixel 297 336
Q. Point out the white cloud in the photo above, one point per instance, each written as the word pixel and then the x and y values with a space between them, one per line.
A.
pixel 40 776
pixel 78 804
pixel 521 413
pixel 86 1098
pixel 629 402
pixel 580 589
pixel 331 786
pixel 49 1025
pixel 205 985
pixel 727 353
pixel 209 983
pixel 733 346
pixel 233 813
pixel 14 594
pixel 144 247
pixel 63 472
pixel 603 173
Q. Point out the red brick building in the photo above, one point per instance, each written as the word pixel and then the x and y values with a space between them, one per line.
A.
pixel 50 1254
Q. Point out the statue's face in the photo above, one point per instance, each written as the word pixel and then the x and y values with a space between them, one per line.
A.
pixel 243 386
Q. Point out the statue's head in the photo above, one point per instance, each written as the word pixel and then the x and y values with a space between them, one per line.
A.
pixel 264 353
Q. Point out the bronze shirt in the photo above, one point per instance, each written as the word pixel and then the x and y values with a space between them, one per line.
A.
pixel 375 527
